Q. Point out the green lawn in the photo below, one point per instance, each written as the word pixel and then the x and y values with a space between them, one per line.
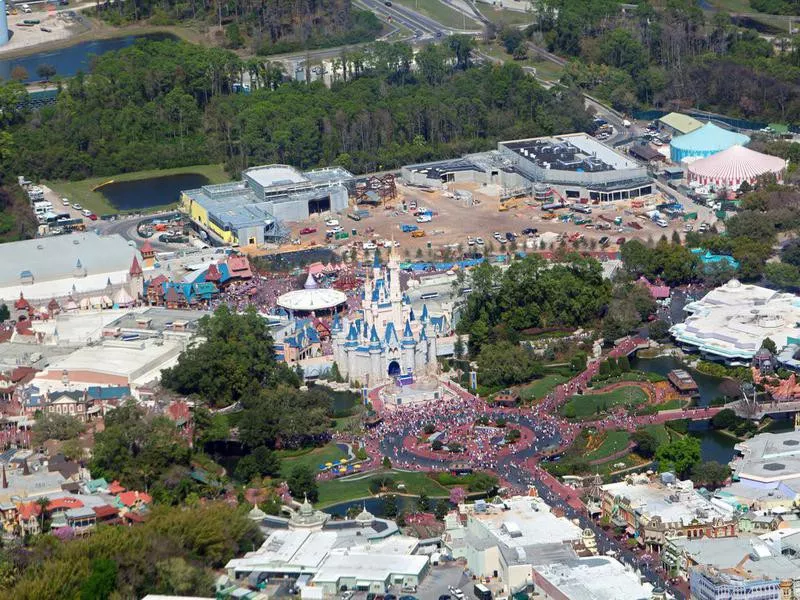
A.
pixel 541 387
pixel 313 458
pixel 588 404
pixel 614 442
pixel 335 491
pixel 82 191
pixel 661 433
pixel 503 16
pixel 546 70
pixel 441 13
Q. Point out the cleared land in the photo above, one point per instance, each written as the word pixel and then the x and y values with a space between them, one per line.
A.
pixel 589 405
pixel 341 490
pixel 82 191
pixel 503 16
pixel 440 13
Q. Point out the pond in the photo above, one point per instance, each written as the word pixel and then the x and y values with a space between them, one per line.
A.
pixel 718 446
pixel 141 194
pixel 68 61
pixel 708 385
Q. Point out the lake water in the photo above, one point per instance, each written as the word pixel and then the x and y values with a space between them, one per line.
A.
pixel 68 61
pixel 709 387
pixel 155 191
pixel 713 444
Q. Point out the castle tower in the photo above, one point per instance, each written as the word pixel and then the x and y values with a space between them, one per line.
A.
pixel 148 254
pixel 375 351
pixel 135 280
pixel 408 346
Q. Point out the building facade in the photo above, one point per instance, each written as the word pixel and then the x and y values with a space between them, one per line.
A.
pixel 389 340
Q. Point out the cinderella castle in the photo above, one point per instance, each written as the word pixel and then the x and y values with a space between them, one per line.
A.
pixel 389 340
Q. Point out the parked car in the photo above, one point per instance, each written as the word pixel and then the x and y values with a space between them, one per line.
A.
pixel 307 230
pixel 530 231
pixel 470 242
pixel 332 222
pixel 86 212
pixel 370 246
pixel 65 201
pixel 620 241
pixel 510 236
pixel 479 241
pixel 77 206
pixel 92 216
pixel 418 233
pixel 604 240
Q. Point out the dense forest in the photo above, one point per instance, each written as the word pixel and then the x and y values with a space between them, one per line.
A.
pixel 672 55
pixel 167 104
pixel 173 552
pixel 532 294
pixel 267 27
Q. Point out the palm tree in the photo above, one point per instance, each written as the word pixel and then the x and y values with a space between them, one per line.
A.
pixel 42 503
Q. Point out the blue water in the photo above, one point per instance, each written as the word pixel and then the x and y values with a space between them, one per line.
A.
pixel 68 61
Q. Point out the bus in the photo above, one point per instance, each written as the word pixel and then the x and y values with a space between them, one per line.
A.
pixel 429 295
pixel 482 592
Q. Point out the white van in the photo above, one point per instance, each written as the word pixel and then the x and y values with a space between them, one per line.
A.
pixel 26 8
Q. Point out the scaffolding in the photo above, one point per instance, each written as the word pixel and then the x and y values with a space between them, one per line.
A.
pixel 377 189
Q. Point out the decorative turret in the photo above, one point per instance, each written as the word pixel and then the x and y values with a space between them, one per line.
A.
pixel 374 340
pixel 311 283
pixel 148 254
pixel 79 271
pixel 212 274
pixel 136 269
pixel 424 316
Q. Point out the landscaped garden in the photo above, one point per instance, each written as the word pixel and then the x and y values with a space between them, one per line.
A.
pixel 590 405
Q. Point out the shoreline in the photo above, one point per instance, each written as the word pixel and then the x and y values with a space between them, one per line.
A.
pixel 95 33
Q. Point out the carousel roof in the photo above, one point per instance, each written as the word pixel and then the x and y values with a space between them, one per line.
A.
pixel 736 164
pixel 311 299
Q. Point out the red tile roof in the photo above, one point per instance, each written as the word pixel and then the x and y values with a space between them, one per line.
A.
pixel 130 498
pixel 147 248
pixel 64 503
pixel 104 511
pixel 115 488
pixel 28 510
pixel 239 266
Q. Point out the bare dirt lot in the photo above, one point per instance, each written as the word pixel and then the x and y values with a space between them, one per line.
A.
pixel 453 223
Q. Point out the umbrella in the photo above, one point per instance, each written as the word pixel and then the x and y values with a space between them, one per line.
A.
pixel 358 466
pixel 322 467
pixel 342 460
pixel 328 464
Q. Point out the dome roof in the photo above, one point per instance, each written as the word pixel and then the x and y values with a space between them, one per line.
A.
pixel 365 517
pixel 256 514
pixel 709 138
pixel 311 299
pixel 733 166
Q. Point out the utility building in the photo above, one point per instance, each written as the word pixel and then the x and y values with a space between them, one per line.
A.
pixel 251 211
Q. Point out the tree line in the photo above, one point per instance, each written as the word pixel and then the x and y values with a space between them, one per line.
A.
pixel 168 103
pixel 672 55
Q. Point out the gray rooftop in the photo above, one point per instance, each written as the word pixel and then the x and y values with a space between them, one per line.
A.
pixel 56 257
pixel 769 457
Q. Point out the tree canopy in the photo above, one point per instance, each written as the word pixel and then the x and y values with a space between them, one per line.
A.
pixel 173 552
pixel 235 360
pixel 679 456
pixel 532 293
